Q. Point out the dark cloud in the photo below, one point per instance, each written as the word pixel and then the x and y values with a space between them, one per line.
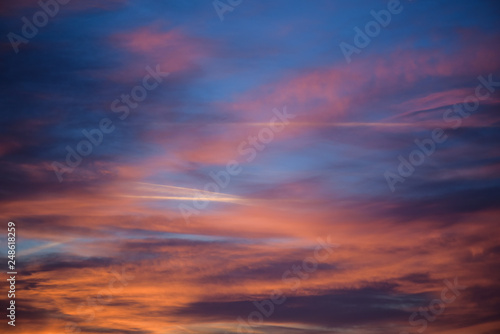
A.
pixel 110 330
pixel 338 308
pixel 60 262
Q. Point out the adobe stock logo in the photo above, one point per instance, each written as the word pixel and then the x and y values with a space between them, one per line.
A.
pixel 221 7
pixel 436 307
pixel 372 29
pixel 295 275
pixel 87 311
pixel 29 30
pixel 95 137
pixel 249 149
pixel 428 146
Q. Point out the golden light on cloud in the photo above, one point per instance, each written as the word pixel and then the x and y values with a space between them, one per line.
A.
pixel 144 191
pixel 141 190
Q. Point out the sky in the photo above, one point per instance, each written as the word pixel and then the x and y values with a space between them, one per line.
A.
pixel 268 167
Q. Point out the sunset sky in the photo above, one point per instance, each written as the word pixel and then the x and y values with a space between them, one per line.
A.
pixel 255 166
